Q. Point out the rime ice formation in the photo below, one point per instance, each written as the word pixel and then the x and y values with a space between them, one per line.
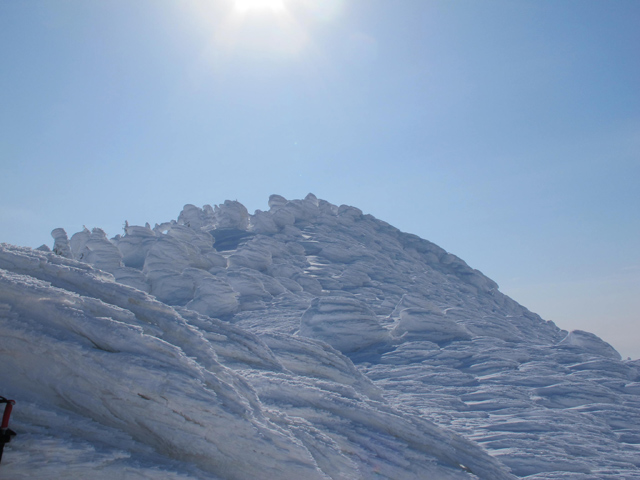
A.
pixel 306 341
pixel 345 323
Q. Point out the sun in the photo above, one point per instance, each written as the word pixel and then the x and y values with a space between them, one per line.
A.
pixel 248 5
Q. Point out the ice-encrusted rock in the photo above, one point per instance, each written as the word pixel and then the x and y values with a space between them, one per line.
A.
pixel 135 245
pixel 212 296
pixel 285 212
pixel 202 241
pixel 424 324
pixel 78 242
pixel 248 285
pixel 591 343
pixel 309 284
pixel 349 214
pixel 196 218
pixel 61 243
pixel 171 253
pixel 312 199
pixel 170 286
pixel 345 323
pixel 413 301
pixel 132 277
pixel 251 256
pixel 262 222
pixel 191 216
pixel 308 357
pixel 231 214
pixel 99 251
pixel 284 270
pixel 283 217
pixel 276 201
pixel 303 210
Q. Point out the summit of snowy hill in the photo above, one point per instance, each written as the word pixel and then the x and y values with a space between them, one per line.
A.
pixel 306 341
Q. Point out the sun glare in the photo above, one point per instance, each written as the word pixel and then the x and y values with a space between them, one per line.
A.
pixel 248 5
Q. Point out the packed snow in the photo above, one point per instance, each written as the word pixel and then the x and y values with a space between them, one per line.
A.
pixel 306 341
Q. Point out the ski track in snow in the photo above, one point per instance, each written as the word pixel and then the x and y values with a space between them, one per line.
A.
pixel 307 341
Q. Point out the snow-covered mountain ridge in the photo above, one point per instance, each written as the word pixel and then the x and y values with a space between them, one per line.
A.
pixel 307 341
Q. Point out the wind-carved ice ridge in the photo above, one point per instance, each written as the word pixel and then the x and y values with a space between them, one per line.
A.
pixel 306 341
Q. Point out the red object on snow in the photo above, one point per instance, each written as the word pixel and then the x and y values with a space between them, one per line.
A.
pixel 5 432
pixel 7 412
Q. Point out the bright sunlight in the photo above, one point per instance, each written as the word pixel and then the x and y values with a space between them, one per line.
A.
pixel 247 5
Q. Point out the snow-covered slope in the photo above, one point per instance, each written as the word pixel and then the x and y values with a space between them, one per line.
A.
pixel 307 341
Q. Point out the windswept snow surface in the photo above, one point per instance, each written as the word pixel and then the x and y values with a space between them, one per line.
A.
pixel 307 341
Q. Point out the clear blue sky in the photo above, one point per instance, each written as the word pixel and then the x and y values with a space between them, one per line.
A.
pixel 507 132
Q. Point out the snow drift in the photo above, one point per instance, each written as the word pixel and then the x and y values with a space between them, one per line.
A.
pixel 307 341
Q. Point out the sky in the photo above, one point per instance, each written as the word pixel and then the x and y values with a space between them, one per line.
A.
pixel 507 132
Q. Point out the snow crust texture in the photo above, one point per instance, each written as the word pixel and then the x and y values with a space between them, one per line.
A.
pixel 307 341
